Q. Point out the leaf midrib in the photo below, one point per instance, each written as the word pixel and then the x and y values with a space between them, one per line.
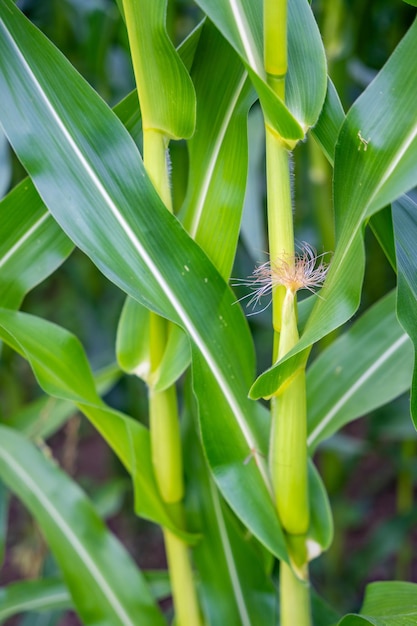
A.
pixel 205 186
pixel 22 240
pixel 312 438
pixel 233 574
pixel 194 333
pixel 73 540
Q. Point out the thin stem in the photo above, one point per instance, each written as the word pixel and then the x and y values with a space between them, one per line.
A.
pixel 166 443
pixel 288 445
pixel 280 223
pixel 155 159
pixel 164 423
pixel 187 611
pixel 294 599
pixel 275 48
pixel 288 448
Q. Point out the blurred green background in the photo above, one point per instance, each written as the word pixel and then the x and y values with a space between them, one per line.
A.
pixel 370 467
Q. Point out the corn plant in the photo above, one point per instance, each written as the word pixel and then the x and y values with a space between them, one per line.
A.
pixel 231 482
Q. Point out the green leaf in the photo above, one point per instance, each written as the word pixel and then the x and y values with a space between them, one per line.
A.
pixel 412 2
pixel 132 341
pixel 364 368
pixel 252 230
pixel 240 22
pixel 323 613
pixel 42 418
pixel 62 370
pixel 217 176
pixel 132 348
pixel 5 164
pixel 404 213
pixel 105 585
pixel 165 89
pixel 320 532
pixel 234 584
pixel 374 164
pixel 90 175
pixel 386 604
pixel 32 245
pixel 218 151
pixel 33 595
pixel 128 112
pixel 236 466
pixel 378 143
pixel 330 121
pixel 51 594
pixel 382 227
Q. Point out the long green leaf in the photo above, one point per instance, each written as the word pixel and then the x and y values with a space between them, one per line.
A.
pixel 382 227
pixel 404 213
pixel 133 348
pixel 374 164
pixel 218 152
pixel 365 368
pixel 212 209
pixel 240 22
pixel 32 245
pixel 165 89
pixel 320 532
pixel 234 586
pixel 33 595
pixel 90 175
pixel 252 229
pixel 61 368
pixel 5 164
pixel 386 604
pixel 105 585
pixel 48 594
pixel 44 416
pixel 330 121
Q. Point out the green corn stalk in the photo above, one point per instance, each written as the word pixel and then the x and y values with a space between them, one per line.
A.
pixel 163 409
pixel 288 444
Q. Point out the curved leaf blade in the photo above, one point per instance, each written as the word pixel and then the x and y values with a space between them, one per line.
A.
pixel 240 22
pixel 62 370
pixel 32 245
pixel 33 595
pixel 386 603
pixel 365 368
pixel 320 532
pixel 105 585
pixel 5 164
pixel 166 92
pixel 374 164
pixel 218 150
pixel 330 121
pixel 235 588
pixel 44 416
pixel 404 214
pixel 91 177
pixel 132 348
